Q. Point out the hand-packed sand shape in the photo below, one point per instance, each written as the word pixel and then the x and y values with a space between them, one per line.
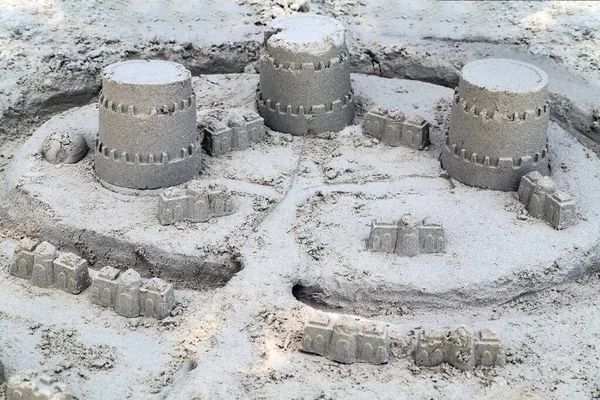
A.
pixel 346 339
pixel 198 203
pixel 44 266
pixel 460 349
pixel 147 137
pixel 36 386
pixel 406 237
pixel 305 76
pixel 498 126
pixel 392 129
pixel 130 296
pixel 537 193
pixel 229 130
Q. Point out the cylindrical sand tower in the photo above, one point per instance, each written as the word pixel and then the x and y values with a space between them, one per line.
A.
pixel 305 76
pixel 147 137
pixel 498 126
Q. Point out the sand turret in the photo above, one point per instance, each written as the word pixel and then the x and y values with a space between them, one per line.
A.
pixel 498 126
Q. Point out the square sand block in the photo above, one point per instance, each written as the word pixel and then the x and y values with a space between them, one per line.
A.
pixel 317 334
pixel 22 265
pixel 105 287
pixel 42 274
pixel 71 273
pixel 156 299
pixel 127 303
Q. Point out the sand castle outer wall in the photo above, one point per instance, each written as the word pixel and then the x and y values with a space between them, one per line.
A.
pixel 497 134
pixel 147 135
pixel 305 85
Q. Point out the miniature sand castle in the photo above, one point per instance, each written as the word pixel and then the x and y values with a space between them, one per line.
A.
pixel 498 126
pixel 406 237
pixel 460 349
pixel 130 296
pixel 44 266
pixel 391 128
pixel 537 193
pixel 229 130
pixel 35 386
pixel 198 203
pixel 346 339
pixel 147 136
pixel 305 76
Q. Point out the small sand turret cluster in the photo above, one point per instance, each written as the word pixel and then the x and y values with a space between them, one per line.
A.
pixel 391 128
pixel 130 296
pixel 460 348
pixel 406 237
pixel 230 130
pixel 198 203
pixel 44 266
pixel 498 126
pixel 147 136
pixel 543 201
pixel 346 339
pixel 305 76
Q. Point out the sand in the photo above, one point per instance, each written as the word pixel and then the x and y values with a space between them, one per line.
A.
pixel 237 335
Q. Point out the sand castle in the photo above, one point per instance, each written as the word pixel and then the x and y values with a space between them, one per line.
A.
pixel 147 137
pixel 305 76
pixel 391 128
pixel 198 203
pixel 543 201
pixel 406 237
pixel 45 267
pixel 36 386
pixel 230 130
pixel 498 126
pixel 346 339
pixel 130 296
pixel 460 348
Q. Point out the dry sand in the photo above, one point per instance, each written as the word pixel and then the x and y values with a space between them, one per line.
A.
pixel 239 338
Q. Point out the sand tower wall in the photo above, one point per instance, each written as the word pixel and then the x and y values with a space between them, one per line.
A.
pixel 305 76
pixel 147 134
pixel 498 125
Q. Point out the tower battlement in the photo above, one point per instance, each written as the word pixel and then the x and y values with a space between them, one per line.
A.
pixel 498 129
pixel 147 136
pixel 300 80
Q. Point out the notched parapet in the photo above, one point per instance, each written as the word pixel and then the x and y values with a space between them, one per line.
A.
pixel 502 163
pixel 130 295
pixel 543 201
pixel 390 127
pixel 36 386
pixel 309 66
pixel 230 130
pixel 487 115
pixel 198 203
pixel 131 109
pixel 460 348
pixel 45 267
pixel 346 339
pixel 406 237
